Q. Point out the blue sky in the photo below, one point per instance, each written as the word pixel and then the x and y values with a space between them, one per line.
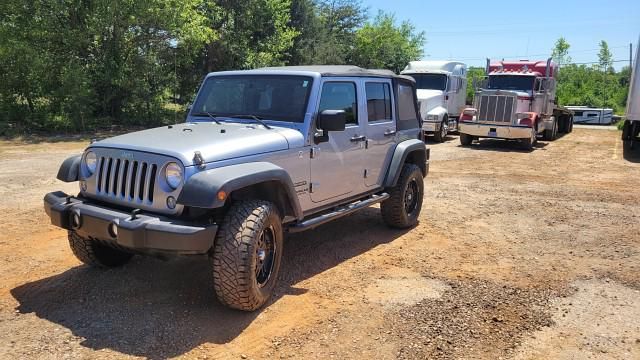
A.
pixel 471 31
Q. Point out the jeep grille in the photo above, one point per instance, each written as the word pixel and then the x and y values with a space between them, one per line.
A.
pixel 128 179
pixel 496 108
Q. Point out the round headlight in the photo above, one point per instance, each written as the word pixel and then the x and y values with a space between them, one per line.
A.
pixel 173 175
pixel 91 161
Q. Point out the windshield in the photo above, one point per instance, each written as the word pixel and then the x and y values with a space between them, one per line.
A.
pixel 511 82
pixel 269 97
pixel 430 81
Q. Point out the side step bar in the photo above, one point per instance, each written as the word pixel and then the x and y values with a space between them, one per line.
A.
pixel 337 213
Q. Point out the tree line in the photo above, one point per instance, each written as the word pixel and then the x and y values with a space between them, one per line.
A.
pixel 595 84
pixel 81 65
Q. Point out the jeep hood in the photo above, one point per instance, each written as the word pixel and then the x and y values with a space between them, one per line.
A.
pixel 430 99
pixel 215 142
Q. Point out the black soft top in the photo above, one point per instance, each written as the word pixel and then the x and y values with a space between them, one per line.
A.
pixel 341 70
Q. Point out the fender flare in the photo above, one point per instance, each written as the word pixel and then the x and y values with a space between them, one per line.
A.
pixel 70 169
pixel 413 147
pixel 201 189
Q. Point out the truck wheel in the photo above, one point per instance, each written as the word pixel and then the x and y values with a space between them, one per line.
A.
pixel 96 254
pixel 402 208
pixel 550 135
pixel 246 255
pixel 527 144
pixel 439 136
pixel 626 130
pixel 465 139
pixel 570 124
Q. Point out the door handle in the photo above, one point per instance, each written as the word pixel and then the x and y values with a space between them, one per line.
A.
pixel 389 132
pixel 358 138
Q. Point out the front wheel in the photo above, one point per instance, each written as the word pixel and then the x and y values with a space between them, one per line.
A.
pixel 402 208
pixel 550 135
pixel 246 255
pixel 439 136
pixel 527 144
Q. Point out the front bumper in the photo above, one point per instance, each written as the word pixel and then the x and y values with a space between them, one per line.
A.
pixel 431 126
pixel 495 131
pixel 145 233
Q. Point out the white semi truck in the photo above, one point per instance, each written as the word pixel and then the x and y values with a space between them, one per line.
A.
pixel 442 91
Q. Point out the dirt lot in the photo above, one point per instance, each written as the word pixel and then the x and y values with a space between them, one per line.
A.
pixel 517 255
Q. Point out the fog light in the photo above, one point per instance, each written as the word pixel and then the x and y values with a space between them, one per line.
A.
pixel 113 230
pixel 75 220
pixel 171 202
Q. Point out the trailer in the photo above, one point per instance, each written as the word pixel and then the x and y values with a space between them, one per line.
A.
pixel 589 115
pixel 631 128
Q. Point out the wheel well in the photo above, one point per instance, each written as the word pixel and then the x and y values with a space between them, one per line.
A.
pixel 418 158
pixel 272 191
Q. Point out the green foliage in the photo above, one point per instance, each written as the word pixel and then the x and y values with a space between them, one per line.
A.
pixel 79 65
pixel 474 75
pixel 383 45
pixel 560 52
pixel 595 86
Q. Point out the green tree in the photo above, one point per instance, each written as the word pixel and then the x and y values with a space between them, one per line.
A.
pixel 384 45
pixel 560 52
pixel 474 75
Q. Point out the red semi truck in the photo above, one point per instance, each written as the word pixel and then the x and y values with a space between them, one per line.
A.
pixel 516 101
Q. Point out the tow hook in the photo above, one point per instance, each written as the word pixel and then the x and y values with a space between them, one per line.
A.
pixel 134 214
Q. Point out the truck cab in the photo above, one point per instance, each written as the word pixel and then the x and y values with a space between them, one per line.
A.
pixel 516 101
pixel 441 89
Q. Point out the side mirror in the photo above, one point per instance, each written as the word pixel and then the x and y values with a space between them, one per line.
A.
pixel 330 120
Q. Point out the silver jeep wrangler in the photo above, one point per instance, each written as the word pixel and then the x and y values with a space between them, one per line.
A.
pixel 263 152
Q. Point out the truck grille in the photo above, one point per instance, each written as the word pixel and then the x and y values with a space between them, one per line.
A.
pixel 126 179
pixel 496 108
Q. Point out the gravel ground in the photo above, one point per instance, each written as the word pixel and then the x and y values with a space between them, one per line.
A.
pixel 522 255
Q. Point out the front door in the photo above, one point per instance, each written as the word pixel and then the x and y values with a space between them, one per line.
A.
pixel 336 165
pixel 381 131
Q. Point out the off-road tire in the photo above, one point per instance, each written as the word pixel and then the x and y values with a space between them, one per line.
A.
pixel 394 209
pixel 465 139
pixel 235 254
pixel 96 254
pixel 440 135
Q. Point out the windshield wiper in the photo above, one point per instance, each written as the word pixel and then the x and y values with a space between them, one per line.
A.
pixel 253 117
pixel 212 116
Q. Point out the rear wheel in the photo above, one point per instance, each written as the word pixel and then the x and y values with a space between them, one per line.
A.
pixel 465 139
pixel 440 135
pixel 402 208
pixel 96 254
pixel 246 255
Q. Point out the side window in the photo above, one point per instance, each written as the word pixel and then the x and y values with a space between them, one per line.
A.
pixel 579 113
pixel 378 101
pixel 340 96
pixel 407 115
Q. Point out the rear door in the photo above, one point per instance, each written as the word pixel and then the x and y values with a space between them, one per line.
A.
pixel 380 130
pixel 337 165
